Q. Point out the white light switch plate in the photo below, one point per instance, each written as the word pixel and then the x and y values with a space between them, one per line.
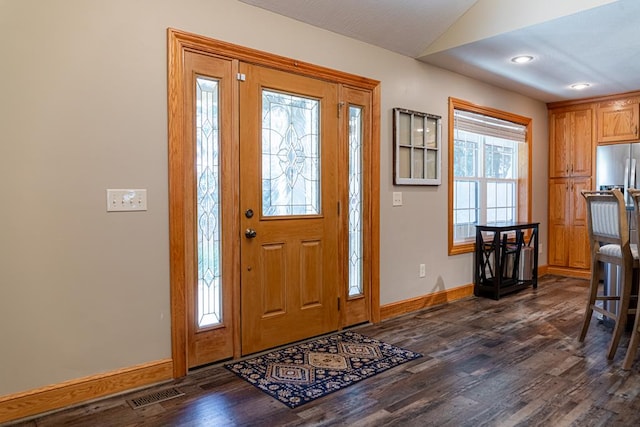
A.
pixel 397 198
pixel 122 200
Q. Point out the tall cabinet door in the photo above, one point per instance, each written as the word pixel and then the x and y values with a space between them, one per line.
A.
pixel 578 250
pixel 580 163
pixel 558 221
pixel 559 148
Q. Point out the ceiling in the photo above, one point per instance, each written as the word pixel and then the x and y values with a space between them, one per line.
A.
pixel 572 41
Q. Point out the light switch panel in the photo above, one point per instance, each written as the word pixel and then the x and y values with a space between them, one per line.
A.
pixel 123 200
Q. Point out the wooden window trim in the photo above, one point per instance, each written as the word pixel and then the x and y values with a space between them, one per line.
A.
pixel 524 185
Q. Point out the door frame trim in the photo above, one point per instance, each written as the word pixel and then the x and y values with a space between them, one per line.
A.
pixel 177 43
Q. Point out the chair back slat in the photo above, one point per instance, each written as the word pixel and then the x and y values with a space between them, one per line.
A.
pixel 607 218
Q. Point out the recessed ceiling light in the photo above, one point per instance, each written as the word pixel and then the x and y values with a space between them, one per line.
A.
pixel 580 86
pixel 522 59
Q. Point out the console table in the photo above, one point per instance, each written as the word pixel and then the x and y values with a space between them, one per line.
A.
pixel 498 258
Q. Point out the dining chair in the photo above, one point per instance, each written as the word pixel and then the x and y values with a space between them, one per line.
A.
pixel 632 349
pixel 609 241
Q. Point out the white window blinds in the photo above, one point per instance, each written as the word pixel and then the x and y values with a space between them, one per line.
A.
pixel 489 126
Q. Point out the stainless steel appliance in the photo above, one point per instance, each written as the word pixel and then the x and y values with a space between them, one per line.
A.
pixel 618 166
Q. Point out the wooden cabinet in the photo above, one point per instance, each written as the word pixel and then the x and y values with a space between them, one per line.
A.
pixel 617 121
pixel 571 142
pixel 575 129
pixel 568 235
pixel 571 164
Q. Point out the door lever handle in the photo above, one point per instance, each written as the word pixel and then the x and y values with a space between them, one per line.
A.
pixel 250 233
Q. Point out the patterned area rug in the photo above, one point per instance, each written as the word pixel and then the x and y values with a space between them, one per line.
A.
pixel 301 373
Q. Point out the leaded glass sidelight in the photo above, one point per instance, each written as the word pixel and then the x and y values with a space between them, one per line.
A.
pixel 209 304
pixel 355 201
pixel 290 154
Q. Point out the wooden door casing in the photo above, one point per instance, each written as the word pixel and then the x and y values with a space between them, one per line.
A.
pixel 179 44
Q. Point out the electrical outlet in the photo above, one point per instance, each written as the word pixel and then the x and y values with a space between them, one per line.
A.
pixel 126 200
pixel 397 198
pixel 423 270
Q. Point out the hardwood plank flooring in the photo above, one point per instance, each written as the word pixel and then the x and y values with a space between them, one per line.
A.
pixel 512 362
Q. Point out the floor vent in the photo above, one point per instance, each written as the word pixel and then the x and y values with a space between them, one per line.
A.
pixel 156 397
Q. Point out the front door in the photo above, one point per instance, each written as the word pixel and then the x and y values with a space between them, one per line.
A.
pixel 273 200
pixel 288 206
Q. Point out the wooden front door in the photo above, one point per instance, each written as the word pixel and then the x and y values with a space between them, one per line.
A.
pixel 288 207
pixel 293 159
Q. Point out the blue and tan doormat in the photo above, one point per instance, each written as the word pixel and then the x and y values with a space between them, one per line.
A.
pixel 304 372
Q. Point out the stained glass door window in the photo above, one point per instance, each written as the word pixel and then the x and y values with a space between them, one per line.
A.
pixel 290 154
pixel 209 300
pixel 355 201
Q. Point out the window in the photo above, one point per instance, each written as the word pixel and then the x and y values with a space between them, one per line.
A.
pixel 416 155
pixel 209 312
pixel 489 174
pixel 356 285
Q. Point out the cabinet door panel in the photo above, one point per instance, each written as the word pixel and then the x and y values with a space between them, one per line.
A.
pixel 559 144
pixel 618 123
pixel 578 250
pixel 557 245
pixel 558 221
pixel 558 202
pixel 581 147
pixel 578 203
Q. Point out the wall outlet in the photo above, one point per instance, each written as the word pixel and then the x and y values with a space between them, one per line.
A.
pixel 423 270
pixel 397 198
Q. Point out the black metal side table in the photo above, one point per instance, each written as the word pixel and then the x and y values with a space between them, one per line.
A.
pixel 499 264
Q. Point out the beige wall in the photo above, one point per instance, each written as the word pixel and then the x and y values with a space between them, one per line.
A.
pixel 83 109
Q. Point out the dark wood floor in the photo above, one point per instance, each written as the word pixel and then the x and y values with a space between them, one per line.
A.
pixel 513 362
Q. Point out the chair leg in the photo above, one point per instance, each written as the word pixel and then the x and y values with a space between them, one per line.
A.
pixel 593 292
pixel 633 347
pixel 623 309
pixel 634 340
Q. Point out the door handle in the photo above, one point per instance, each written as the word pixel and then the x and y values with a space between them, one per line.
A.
pixel 250 233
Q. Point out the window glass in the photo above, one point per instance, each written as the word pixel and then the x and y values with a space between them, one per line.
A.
pixel 356 286
pixel 209 310
pixel 290 154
